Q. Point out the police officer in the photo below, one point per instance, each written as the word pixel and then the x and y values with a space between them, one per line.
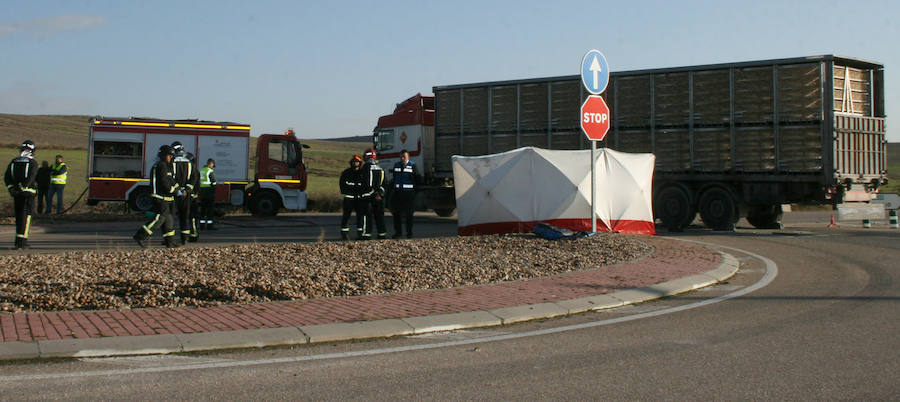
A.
pixel 59 172
pixel 371 201
pixel 350 185
pixel 405 178
pixel 207 194
pixel 184 172
pixel 20 178
pixel 162 188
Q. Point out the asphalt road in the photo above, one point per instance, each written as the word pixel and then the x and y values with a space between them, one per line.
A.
pixel 290 227
pixel 822 324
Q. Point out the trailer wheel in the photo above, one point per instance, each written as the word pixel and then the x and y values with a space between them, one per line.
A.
pixel 140 200
pixel 673 206
pixel 718 209
pixel 444 212
pixel 765 216
pixel 265 204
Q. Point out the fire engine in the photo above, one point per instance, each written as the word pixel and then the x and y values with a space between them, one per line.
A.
pixel 121 152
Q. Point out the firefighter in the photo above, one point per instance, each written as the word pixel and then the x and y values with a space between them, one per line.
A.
pixel 350 185
pixel 184 173
pixel 208 195
pixel 404 180
pixel 371 201
pixel 194 209
pixel 163 188
pixel 20 178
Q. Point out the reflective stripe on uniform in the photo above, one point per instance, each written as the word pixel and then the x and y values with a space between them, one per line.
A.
pixel 27 226
pixel 151 224
pixel 169 234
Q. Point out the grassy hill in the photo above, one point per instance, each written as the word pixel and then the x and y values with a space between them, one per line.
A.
pixel 47 131
pixel 893 168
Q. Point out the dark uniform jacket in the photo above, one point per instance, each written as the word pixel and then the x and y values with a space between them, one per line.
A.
pixel 351 185
pixel 405 176
pixel 43 179
pixel 162 181
pixel 186 176
pixel 372 178
pixel 21 175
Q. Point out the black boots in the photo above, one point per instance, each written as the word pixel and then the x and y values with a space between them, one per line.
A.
pixel 170 242
pixel 21 243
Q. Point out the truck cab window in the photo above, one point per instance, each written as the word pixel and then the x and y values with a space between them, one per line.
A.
pixel 384 140
pixel 284 151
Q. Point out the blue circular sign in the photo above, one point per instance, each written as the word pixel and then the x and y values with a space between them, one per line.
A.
pixel 594 72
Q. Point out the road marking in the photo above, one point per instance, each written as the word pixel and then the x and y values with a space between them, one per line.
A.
pixel 631 309
pixel 771 273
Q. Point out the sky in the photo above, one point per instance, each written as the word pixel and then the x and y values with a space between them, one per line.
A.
pixel 328 69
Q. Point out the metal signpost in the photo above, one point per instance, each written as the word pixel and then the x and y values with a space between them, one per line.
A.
pixel 594 111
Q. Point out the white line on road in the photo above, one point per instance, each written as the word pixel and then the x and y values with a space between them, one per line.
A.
pixel 771 273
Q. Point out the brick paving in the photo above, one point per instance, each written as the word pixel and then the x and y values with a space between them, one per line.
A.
pixel 670 260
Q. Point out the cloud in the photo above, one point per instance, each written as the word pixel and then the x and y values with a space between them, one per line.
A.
pixel 41 28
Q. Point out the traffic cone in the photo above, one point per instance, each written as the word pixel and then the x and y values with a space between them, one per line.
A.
pixel 893 219
pixel 833 224
pixel 867 223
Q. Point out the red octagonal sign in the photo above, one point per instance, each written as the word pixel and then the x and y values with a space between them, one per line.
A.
pixel 595 118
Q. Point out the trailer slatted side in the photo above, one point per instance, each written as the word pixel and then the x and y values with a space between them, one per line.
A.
pixel 753 118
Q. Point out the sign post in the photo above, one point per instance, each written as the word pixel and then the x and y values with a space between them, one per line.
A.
pixel 594 112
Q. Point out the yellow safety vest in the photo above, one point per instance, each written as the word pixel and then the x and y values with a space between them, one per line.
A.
pixel 59 178
pixel 204 176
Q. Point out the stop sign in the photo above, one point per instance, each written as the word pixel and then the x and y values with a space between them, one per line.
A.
pixel 595 118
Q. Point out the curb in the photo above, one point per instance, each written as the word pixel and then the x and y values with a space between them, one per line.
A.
pixel 258 338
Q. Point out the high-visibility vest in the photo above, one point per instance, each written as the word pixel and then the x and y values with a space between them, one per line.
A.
pixel 204 176
pixel 59 178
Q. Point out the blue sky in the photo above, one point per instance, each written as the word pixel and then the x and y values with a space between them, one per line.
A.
pixel 329 69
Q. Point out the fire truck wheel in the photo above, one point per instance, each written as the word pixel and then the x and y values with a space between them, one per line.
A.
pixel 140 199
pixel 265 204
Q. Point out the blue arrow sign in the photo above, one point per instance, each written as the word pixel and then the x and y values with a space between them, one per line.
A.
pixel 594 72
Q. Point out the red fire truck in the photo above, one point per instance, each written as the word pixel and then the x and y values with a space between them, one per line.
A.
pixel 121 152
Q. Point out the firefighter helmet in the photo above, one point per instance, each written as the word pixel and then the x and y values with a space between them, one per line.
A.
pixel 166 150
pixel 177 147
pixel 211 160
pixel 370 154
pixel 356 158
pixel 27 145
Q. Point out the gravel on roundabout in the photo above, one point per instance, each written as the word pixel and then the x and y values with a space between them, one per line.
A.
pixel 256 272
